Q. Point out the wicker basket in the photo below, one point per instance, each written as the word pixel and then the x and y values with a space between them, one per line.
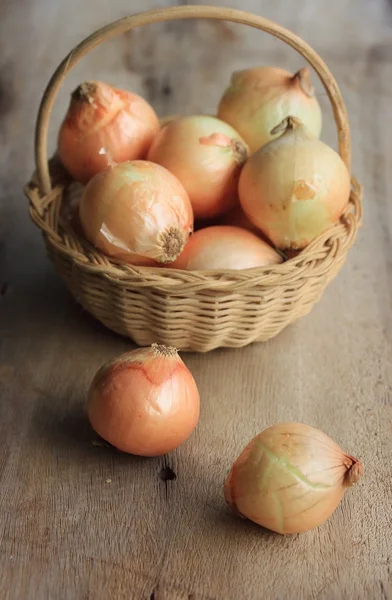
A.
pixel 191 310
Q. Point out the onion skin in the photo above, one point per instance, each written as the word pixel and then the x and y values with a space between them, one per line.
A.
pixel 145 402
pixel 137 212
pixel 206 155
pixel 225 247
pixel 290 478
pixel 103 126
pixel 294 188
pixel 258 99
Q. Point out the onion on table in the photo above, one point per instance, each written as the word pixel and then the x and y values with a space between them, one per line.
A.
pixel 103 126
pixel 258 99
pixel 295 187
pixel 225 247
pixel 145 402
pixel 206 155
pixel 137 212
pixel 290 478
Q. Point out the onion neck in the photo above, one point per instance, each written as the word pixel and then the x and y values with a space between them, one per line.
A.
pixel 85 92
pixel 240 151
pixel 354 471
pixel 94 105
pixel 288 124
pixel 302 78
pixel 221 140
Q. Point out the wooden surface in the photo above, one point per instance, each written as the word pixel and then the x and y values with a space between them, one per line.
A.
pixel 80 521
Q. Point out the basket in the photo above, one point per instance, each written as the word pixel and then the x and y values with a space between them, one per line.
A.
pixel 197 311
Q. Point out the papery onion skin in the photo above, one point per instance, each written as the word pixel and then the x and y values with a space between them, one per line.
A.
pixel 145 402
pixel 103 126
pixel 290 478
pixel 206 155
pixel 137 212
pixel 259 99
pixel 294 188
pixel 225 247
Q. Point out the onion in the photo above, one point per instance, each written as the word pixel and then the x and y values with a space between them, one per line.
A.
pixel 290 478
pixel 137 212
pixel 259 99
pixel 225 247
pixel 104 125
pixel 144 402
pixel 206 155
pixel 295 187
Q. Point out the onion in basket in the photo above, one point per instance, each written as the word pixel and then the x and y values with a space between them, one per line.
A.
pixel 259 99
pixel 104 125
pixel 295 187
pixel 137 212
pixel 225 247
pixel 206 155
pixel 290 478
pixel 144 402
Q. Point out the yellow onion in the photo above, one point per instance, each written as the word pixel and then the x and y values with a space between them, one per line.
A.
pixel 206 155
pixel 225 247
pixel 104 125
pixel 290 478
pixel 295 187
pixel 145 402
pixel 137 212
pixel 258 99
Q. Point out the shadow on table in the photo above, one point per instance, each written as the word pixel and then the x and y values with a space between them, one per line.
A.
pixel 68 434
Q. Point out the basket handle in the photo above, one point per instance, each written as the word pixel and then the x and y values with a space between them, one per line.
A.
pixel 175 13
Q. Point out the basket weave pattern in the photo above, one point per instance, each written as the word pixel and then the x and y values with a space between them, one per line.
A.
pixel 190 310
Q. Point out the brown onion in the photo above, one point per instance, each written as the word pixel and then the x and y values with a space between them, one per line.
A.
pixel 225 247
pixel 290 478
pixel 104 125
pixel 294 188
pixel 137 212
pixel 144 402
pixel 259 99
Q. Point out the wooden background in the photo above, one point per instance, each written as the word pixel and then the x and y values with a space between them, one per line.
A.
pixel 80 521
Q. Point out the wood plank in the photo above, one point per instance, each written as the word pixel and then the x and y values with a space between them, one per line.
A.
pixel 78 520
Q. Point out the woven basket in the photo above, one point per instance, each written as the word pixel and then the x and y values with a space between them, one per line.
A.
pixel 191 310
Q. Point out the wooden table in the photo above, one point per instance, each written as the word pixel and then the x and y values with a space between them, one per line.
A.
pixel 80 521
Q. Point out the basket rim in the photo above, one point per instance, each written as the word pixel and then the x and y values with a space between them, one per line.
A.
pixel 310 262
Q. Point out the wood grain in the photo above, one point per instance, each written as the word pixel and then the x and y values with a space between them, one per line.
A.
pixel 80 521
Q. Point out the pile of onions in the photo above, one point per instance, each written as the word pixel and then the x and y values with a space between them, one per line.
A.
pixel 104 125
pixel 144 402
pixel 206 155
pixel 225 247
pixel 258 99
pixel 137 212
pixel 295 187
pixel 290 478
pixel 146 182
